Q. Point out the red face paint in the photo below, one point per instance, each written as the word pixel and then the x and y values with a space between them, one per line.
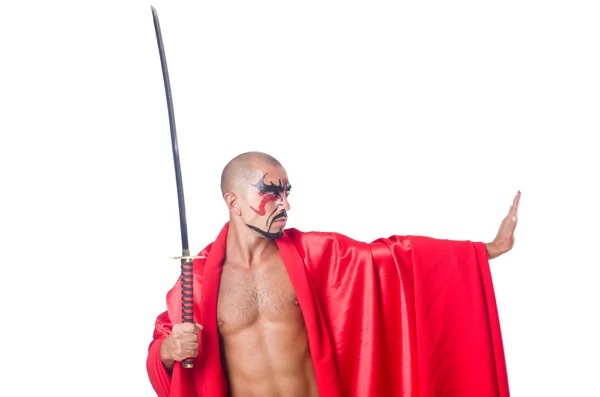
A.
pixel 263 203
pixel 270 192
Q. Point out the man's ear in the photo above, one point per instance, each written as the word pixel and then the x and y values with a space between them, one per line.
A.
pixel 233 203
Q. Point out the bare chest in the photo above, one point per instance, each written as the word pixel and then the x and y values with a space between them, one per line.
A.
pixel 247 295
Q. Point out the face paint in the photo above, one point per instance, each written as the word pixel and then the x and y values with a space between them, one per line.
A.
pixel 270 193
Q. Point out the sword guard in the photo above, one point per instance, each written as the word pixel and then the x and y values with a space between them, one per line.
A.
pixel 187 257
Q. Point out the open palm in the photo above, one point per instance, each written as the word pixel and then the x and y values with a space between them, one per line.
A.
pixel 505 239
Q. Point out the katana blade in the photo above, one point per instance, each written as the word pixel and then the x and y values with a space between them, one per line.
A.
pixel 187 286
pixel 173 128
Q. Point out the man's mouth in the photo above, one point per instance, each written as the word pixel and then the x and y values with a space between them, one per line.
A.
pixel 281 217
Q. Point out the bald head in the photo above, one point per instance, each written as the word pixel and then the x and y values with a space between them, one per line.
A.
pixel 243 168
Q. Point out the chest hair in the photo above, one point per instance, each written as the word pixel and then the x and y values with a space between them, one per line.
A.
pixel 249 294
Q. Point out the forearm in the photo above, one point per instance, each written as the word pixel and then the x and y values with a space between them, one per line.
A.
pixel 167 361
pixel 492 250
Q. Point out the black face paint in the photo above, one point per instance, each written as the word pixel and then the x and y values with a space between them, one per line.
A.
pixel 263 188
pixel 269 235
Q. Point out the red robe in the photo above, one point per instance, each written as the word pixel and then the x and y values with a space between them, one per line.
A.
pixel 400 316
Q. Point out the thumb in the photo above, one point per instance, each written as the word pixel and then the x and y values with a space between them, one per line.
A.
pixel 200 327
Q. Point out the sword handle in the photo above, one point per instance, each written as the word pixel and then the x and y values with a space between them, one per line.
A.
pixel 187 294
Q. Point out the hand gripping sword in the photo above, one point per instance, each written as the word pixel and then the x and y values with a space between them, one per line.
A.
pixel 187 284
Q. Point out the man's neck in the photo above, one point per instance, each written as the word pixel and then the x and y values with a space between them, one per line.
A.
pixel 245 247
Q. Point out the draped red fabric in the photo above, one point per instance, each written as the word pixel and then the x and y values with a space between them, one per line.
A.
pixel 397 317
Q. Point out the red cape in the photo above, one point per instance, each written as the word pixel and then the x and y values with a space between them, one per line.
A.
pixel 400 316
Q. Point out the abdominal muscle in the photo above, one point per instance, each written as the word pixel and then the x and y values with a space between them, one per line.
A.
pixel 269 359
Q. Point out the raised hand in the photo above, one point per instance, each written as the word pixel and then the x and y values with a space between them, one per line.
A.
pixel 181 343
pixel 505 239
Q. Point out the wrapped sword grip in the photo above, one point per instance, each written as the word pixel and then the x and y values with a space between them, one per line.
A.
pixel 187 301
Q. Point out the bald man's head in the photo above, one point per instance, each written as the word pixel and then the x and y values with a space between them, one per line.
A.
pixel 255 187
pixel 243 169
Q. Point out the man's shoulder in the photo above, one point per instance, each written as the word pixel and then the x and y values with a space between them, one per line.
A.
pixel 322 238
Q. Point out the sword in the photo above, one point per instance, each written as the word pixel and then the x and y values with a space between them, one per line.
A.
pixel 187 284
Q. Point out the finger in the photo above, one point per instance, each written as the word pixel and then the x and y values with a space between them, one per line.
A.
pixel 508 228
pixel 511 226
pixel 189 337
pixel 186 354
pixel 192 328
pixel 192 353
pixel 513 211
pixel 515 205
pixel 508 224
pixel 510 217
pixel 189 346
pixel 515 214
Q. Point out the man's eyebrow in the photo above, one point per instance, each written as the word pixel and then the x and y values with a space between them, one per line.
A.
pixel 263 187
pixel 274 188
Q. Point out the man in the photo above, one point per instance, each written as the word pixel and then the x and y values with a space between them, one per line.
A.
pixel 287 313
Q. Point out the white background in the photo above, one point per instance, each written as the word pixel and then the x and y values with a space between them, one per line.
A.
pixel 390 119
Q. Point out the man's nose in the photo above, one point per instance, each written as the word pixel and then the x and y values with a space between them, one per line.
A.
pixel 285 204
